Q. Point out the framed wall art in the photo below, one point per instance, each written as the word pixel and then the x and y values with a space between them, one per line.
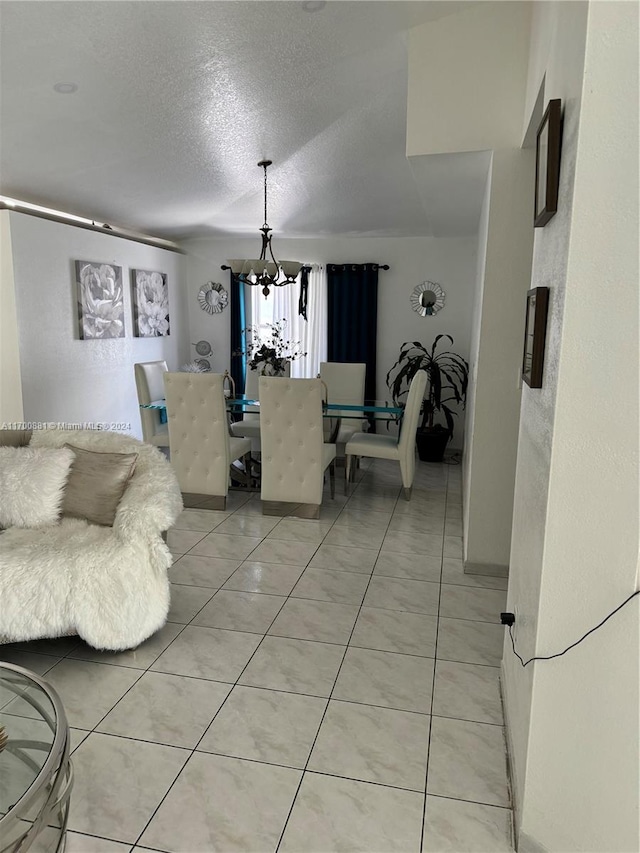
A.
pixel 548 141
pixel 100 300
pixel 150 292
pixel 535 332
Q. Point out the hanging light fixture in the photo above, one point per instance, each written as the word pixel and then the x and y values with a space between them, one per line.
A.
pixel 262 272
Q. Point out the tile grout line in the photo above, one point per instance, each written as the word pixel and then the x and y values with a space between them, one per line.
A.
pixel 305 769
pixel 235 684
pixel 433 687
pixel 331 525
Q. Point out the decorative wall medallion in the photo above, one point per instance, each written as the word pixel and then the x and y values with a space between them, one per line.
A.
pixel 427 298
pixel 213 297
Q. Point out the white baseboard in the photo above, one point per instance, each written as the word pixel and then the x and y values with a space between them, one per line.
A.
pixel 492 569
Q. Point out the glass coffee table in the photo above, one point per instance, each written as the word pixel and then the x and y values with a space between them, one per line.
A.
pixel 35 769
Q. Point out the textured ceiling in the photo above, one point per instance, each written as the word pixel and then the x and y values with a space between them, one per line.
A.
pixel 177 102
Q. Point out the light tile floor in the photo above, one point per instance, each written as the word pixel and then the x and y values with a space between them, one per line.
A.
pixel 324 685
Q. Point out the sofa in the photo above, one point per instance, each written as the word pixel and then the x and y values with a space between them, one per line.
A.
pixel 108 584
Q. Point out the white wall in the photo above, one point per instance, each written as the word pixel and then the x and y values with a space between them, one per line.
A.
pixel 467 86
pixel 573 722
pixel 412 260
pixel 10 384
pixel 490 446
pixel 459 96
pixel 474 349
pixel 65 379
pixel 564 26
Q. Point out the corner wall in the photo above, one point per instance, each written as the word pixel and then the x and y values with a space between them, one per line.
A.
pixel 10 383
pixel 65 379
pixel 490 447
pixel 573 721
pixel 466 89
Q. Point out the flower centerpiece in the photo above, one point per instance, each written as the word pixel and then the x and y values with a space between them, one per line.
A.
pixel 269 354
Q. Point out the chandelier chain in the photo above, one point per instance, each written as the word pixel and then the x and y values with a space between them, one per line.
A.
pixel 262 272
pixel 265 194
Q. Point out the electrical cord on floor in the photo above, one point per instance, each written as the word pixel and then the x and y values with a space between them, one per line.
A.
pixel 573 645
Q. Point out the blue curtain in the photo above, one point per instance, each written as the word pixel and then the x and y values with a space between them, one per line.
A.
pixel 353 317
pixel 238 363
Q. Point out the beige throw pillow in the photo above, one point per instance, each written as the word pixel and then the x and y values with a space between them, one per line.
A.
pixel 96 484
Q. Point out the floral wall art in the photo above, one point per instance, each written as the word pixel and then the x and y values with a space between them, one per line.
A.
pixel 100 301
pixel 150 304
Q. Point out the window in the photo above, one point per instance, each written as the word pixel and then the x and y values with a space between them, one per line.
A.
pixel 282 303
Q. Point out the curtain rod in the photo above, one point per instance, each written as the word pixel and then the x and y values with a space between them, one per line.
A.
pixel 309 268
pixel 354 266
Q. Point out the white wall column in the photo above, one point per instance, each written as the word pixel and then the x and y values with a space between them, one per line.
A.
pixel 573 721
pixel 10 383
pixel 496 357
pixel 467 87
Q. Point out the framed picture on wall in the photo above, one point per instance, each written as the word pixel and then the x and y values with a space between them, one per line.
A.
pixel 150 301
pixel 100 301
pixel 548 141
pixel 535 333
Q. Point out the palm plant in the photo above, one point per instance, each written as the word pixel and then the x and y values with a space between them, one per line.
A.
pixel 448 376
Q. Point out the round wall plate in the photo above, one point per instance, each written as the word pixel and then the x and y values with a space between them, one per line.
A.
pixel 427 298
pixel 213 298
pixel 203 348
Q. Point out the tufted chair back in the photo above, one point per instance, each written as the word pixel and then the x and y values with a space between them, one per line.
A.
pixel 345 382
pixel 407 440
pixel 149 384
pixel 292 440
pixel 198 431
pixel 251 386
pixel 251 391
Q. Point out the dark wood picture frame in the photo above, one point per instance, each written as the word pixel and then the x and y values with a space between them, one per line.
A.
pixel 535 333
pixel 548 142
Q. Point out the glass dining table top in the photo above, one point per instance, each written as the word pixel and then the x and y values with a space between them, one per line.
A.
pixel 377 409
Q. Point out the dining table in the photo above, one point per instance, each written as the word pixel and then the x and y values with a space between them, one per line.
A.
pixel 372 411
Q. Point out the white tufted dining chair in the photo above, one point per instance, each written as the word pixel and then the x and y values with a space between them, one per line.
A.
pixel 150 387
pixel 249 426
pixel 345 384
pixel 387 446
pixel 201 448
pixel 294 455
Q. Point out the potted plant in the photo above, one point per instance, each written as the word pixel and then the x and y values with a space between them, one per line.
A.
pixel 448 376
pixel 269 355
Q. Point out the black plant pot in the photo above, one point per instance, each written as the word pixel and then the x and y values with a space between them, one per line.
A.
pixel 431 444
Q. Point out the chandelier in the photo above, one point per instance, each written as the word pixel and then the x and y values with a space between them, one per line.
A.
pixel 263 272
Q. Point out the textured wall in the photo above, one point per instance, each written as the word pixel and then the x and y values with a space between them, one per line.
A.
pixel 564 29
pixel 574 721
pixel 64 378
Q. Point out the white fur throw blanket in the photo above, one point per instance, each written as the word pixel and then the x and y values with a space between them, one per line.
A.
pixel 107 584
